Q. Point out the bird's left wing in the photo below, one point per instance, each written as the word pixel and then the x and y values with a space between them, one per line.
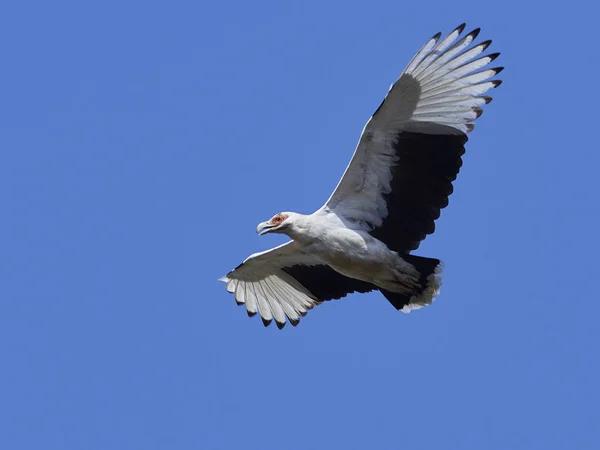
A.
pixel 409 153
pixel 287 282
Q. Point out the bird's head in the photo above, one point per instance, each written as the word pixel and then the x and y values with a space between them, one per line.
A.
pixel 279 223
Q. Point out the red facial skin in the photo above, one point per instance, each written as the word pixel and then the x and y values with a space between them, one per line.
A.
pixel 277 219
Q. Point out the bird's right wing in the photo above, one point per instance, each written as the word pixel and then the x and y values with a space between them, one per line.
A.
pixel 287 282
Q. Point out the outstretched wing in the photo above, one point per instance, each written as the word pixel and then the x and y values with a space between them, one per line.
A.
pixel 286 282
pixel 409 153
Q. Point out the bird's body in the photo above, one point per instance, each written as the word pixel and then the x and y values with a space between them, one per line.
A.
pixel 349 250
pixel 399 179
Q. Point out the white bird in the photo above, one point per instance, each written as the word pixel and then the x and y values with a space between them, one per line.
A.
pixel 398 180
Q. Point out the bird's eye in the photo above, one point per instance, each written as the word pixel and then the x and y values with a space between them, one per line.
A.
pixel 278 219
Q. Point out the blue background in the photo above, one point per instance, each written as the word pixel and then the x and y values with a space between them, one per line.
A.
pixel 141 143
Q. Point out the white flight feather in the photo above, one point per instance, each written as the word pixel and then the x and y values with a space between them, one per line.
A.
pixel 263 305
pixel 446 56
pixel 240 292
pixel 281 298
pixel 453 64
pixel 438 50
pixel 251 302
pixel 276 308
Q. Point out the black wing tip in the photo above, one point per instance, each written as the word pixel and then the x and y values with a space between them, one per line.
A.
pixel 280 325
pixel 436 36
pixel 493 56
pixel 460 28
pixel 478 112
pixel 485 44
pixel 475 33
pixel 265 322
pixel 487 99
pixel 498 69
pixel 496 83
pixel 251 313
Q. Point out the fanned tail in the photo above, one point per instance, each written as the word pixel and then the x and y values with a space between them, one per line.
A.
pixel 430 281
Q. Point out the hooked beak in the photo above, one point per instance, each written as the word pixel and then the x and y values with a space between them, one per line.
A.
pixel 263 228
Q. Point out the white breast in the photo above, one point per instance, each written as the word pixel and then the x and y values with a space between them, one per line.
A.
pixel 353 253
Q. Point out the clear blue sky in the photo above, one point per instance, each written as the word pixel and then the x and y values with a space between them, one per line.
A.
pixel 141 143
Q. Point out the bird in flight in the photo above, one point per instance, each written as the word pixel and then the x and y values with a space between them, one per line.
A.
pixel 388 199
